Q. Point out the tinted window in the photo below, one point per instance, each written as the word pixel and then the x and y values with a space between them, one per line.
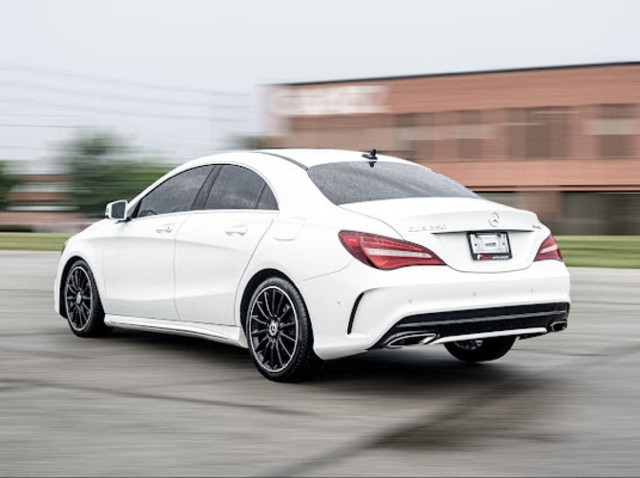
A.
pixel 349 182
pixel 267 200
pixel 235 188
pixel 175 194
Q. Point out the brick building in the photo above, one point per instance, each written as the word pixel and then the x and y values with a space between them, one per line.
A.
pixel 562 141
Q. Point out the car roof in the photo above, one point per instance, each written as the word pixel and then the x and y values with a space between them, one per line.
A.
pixel 302 158
pixel 276 167
pixel 313 157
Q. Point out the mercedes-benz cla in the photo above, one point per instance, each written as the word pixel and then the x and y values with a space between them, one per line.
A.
pixel 303 256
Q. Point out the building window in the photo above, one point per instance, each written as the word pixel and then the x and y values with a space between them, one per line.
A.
pixel 405 132
pixel 539 132
pixel 418 134
pixel 470 133
pixel 615 128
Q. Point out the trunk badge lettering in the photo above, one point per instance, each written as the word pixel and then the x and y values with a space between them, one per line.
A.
pixel 428 228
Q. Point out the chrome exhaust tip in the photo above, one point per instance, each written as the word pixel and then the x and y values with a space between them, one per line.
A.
pixel 411 340
pixel 557 326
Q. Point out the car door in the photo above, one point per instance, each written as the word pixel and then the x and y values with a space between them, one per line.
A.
pixel 139 253
pixel 215 244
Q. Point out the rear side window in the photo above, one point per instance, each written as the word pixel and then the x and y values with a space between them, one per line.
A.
pixel 267 200
pixel 350 182
pixel 176 194
pixel 239 188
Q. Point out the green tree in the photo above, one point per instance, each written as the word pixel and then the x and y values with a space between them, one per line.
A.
pixel 250 142
pixel 99 172
pixel 7 182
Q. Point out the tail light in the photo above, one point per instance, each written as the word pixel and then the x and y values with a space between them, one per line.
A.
pixel 387 253
pixel 549 250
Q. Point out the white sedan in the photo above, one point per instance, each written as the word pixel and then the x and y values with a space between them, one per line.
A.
pixel 303 256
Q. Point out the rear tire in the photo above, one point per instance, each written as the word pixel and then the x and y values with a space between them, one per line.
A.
pixel 81 301
pixel 279 334
pixel 483 350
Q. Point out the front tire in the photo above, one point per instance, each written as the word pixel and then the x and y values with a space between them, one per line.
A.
pixel 480 350
pixel 279 333
pixel 82 304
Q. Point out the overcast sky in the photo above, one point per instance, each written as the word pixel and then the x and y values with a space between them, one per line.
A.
pixel 74 63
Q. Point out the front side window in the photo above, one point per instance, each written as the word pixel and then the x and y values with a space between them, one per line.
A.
pixel 350 182
pixel 176 194
pixel 239 188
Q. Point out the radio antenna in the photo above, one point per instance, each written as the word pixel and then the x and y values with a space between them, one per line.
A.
pixel 371 156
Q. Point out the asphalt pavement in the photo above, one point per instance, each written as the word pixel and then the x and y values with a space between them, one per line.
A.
pixel 147 404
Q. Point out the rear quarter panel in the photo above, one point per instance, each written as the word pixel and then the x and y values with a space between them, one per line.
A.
pixel 306 245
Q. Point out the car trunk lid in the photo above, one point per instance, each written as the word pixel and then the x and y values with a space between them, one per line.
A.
pixel 444 224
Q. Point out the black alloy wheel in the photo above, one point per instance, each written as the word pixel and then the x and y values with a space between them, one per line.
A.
pixel 273 326
pixel 279 333
pixel 82 303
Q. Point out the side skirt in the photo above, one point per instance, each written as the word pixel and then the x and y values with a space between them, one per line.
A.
pixel 218 333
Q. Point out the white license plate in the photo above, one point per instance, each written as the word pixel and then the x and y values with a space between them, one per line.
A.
pixel 489 246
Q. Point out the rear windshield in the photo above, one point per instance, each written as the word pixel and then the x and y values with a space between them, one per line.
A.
pixel 348 182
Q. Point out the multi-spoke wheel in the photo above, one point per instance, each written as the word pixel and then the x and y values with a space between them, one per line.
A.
pixel 82 303
pixel 480 350
pixel 78 297
pixel 273 328
pixel 279 332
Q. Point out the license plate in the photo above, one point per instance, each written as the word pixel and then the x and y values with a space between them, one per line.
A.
pixel 489 246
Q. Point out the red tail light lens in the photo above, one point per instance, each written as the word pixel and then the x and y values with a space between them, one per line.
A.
pixel 549 250
pixel 387 253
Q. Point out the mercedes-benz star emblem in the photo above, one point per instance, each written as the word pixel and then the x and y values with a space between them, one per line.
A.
pixel 494 219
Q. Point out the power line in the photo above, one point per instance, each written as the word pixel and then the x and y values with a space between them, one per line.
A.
pixel 117 97
pixel 117 111
pixel 56 155
pixel 139 104
pixel 38 115
pixel 28 148
pixel 162 143
pixel 115 81
pixel 53 126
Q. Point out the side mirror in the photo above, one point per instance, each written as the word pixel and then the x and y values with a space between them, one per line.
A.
pixel 116 210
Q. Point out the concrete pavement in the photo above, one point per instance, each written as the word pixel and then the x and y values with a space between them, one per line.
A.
pixel 146 404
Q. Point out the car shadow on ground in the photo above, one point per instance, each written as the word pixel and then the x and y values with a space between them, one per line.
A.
pixel 426 370
pixel 389 371
pixel 189 347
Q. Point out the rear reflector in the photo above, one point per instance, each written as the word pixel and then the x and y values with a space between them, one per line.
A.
pixel 387 253
pixel 549 250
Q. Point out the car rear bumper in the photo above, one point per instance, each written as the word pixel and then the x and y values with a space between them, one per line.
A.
pixel 360 308
pixel 442 327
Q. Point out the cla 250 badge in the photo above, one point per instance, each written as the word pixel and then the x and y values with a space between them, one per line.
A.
pixel 428 228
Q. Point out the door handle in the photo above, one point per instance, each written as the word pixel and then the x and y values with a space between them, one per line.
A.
pixel 165 228
pixel 238 230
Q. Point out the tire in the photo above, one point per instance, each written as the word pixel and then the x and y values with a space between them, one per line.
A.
pixel 279 334
pixel 81 301
pixel 480 350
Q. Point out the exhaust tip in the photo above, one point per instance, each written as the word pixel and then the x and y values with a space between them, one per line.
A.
pixel 557 326
pixel 411 340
